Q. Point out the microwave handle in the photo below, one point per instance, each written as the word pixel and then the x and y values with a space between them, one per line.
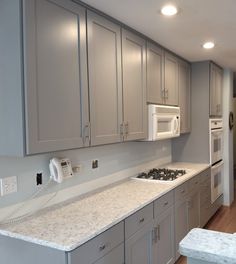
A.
pixel 176 125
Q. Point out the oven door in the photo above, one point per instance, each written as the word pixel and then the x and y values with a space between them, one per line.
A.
pixel 216 145
pixel 216 181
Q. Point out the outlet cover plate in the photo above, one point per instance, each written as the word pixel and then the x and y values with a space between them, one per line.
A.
pixel 8 185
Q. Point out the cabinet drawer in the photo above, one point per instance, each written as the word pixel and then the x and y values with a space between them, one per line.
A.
pixel 194 183
pixel 205 175
pixel 99 246
pixel 161 204
pixel 136 221
pixel 181 191
pixel 116 256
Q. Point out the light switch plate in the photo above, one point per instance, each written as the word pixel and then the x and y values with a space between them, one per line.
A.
pixel 8 185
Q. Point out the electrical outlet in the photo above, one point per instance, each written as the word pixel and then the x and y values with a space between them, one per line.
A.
pixel 8 185
pixel 77 168
pixel 94 164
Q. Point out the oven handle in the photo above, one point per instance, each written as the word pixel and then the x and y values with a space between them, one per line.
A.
pixel 217 165
pixel 217 130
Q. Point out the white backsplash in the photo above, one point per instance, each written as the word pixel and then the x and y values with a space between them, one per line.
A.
pixel 116 162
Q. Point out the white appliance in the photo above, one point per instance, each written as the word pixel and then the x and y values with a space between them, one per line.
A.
pixel 163 122
pixel 216 181
pixel 60 169
pixel 216 140
pixel 216 158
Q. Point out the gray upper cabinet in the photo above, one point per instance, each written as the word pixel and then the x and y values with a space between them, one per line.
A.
pixel 105 80
pixel 184 96
pixel 155 62
pixel 55 75
pixel 134 86
pixel 171 80
pixel 216 86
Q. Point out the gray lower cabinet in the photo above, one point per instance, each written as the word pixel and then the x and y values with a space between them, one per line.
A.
pixel 139 236
pixel 105 79
pixel 184 96
pixel 205 197
pixel 194 210
pixel 163 246
pixel 171 94
pixel 155 74
pixel 138 248
pixel 134 86
pixel 216 86
pixel 101 249
pixel 181 215
pixel 55 75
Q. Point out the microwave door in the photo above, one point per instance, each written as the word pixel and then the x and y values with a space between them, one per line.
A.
pixel 164 127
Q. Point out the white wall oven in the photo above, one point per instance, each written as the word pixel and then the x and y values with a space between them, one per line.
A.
pixel 216 158
pixel 216 140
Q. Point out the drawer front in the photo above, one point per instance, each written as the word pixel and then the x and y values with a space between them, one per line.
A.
pixel 205 175
pixel 194 183
pixel 181 191
pixel 98 246
pixel 163 203
pixel 116 256
pixel 136 221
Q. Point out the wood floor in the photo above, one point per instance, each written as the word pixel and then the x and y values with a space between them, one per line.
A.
pixel 224 220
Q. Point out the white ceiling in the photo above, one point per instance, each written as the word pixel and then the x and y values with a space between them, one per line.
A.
pixel 198 21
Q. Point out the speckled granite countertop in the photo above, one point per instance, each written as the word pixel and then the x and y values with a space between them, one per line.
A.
pixel 69 226
pixel 210 246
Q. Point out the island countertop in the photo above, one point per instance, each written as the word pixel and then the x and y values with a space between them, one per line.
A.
pixel 68 226
pixel 209 246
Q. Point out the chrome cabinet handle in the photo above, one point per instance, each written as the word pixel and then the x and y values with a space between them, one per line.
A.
pixel 158 232
pixel 101 248
pixel 86 133
pixel 154 235
pixel 126 129
pixel 141 220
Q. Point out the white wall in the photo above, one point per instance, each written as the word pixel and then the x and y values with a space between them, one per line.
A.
pixel 228 138
pixel 112 159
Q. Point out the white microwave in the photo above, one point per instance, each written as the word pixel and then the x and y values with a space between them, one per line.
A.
pixel 163 122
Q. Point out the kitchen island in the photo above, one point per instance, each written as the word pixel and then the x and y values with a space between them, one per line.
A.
pixel 202 246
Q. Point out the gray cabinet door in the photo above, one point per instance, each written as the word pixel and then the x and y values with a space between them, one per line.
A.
pixel 155 86
pixel 134 86
pixel 164 248
pixel 181 223
pixel 105 83
pixel 216 79
pixel 194 210
pixel 184 97
pixel 171 80
pixel 138 248
pixel 55 75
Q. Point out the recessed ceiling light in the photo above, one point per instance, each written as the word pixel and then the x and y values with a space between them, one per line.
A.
pixel 169 10
pixel 209 45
